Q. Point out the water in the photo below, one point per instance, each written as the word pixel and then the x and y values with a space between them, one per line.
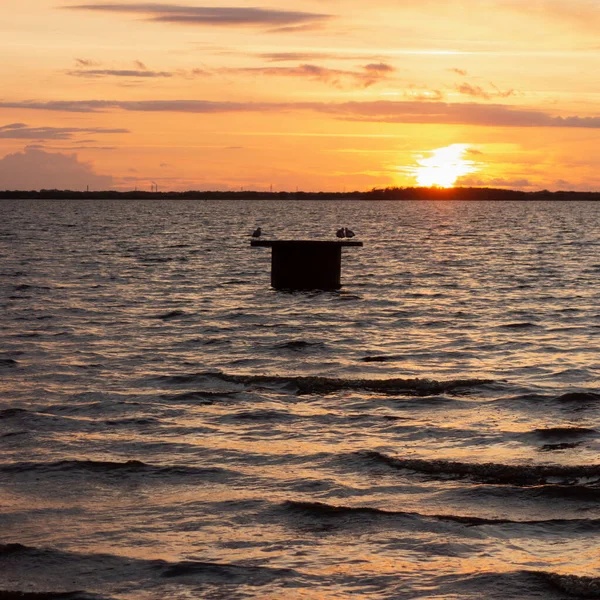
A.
pixel 173 428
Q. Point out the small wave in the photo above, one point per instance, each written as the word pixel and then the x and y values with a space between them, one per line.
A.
pixel 132 421
pixel 326 385
pixel 13 274
pixel 577 586
pixel 129 467
pixel 260 415
pixel 561 446
pixel 519 584
pixel 155 259
pixel 17 595
pixel 578 397
pixel 525 325
pixel 174 314
pixel 321 509
pixel 227 573
pixel 377 358
pixel 125 567
pixel 554 433
pixel 8 362
pixel 493 473
pixel 24 286
pixel 9 413
pixel 299 345
pixel 198 397
pixel 326 510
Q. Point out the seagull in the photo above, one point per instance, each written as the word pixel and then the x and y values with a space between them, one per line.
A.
pixel 349 232
pixel 340 232
pixel 256 233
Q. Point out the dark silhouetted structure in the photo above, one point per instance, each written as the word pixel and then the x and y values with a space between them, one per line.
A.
pixel 305 264
pixel 257 232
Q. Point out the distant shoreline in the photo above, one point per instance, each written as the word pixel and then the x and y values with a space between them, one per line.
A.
pixel 411 193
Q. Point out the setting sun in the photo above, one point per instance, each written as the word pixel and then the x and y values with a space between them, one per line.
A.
pixel 444 166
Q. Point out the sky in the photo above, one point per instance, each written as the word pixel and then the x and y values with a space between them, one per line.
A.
pixel 318 95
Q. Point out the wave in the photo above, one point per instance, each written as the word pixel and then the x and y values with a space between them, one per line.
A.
pixel 18 595
pixel 519 584
pixel 578 586
pixel 299 345
pixel 328 385
pixel 493 473
pixel 126 568
pixel 197 397
pixel 377 358
pixel 554 433
pixel 129 467
pixel 560 446
pixel 9 413
pixel 321 509
pixel 173 314
pixel 227 573
pixel 525 325
pixel 578 397
pixel 8 362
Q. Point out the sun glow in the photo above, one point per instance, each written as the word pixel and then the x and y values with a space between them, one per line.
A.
pixel 444 166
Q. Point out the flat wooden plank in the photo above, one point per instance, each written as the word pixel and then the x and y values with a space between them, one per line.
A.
pixel 300 243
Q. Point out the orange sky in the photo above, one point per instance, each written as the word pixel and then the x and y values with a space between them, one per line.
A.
pixel 319 95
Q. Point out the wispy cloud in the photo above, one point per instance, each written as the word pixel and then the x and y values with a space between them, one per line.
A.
pixel 86 63
pixel 21 131
pixel 379 111
pixel 212 15
pixel 477 91
pixel 364 76
pixel 69 148
pixel 135 73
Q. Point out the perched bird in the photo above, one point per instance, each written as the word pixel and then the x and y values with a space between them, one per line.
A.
pixel 340 233
pixel 256 233
pixel 349 232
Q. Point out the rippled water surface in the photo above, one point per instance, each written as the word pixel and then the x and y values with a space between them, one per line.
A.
pixel 171 427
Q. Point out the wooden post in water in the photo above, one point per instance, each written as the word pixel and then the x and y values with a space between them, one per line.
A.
pixel 305 264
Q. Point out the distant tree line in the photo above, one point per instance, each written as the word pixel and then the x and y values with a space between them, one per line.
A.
pixel 390 193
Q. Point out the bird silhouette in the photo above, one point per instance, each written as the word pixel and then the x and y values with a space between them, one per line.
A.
pixel 340 233
pixel 348 232
pixel 256 233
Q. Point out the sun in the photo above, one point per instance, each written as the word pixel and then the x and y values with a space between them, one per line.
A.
pixel 444 166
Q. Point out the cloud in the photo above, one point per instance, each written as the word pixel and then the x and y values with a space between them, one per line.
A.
pixel 460 72
pixel 364 76
pixel 96 73
pixel 496 182
pixel 212 15
pixel 21 131
pixel 295 56
pixel 35 169
pixel 310 56
pixel 478 92
pixel 70 148
pixel 382 111
pixel 82 62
